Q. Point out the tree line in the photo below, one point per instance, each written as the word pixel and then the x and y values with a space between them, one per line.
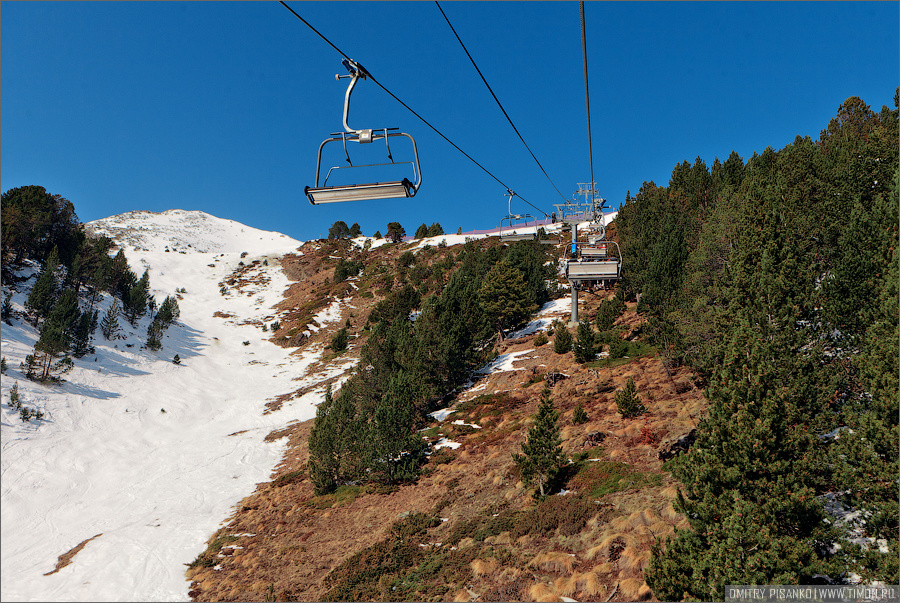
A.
pixel 776 280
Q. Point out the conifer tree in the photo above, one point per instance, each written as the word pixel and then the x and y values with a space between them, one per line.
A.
pixel 109 324
pixel 50 358
pixel 421 232
pixel 562 339
pixel 355 231
pixel 584 347
pixel 6 310
pixel 435 230
pixel 505 297
pixel 135 302
pixel 334 443
pixel 43 293
pixel 628 402
pixel 542 454
pixel 154 335
pixel 395 232
pixel 81 334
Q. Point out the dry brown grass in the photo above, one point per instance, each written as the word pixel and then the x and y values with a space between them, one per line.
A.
pixel 66 558
pixel 483 567
pixel 554 561
pixel 630 588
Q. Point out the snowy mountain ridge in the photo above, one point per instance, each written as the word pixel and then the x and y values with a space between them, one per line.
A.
pixel 185 232
pixel 138 459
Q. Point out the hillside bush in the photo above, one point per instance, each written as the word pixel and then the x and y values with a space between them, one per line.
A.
pixel 628 402
pixel 562 341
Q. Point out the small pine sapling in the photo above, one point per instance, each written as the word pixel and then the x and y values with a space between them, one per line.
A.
pixel 628 402
pixel 579 415
pixel 562 342
pixel 340 340
pixel 3 365
pixel 584 343
pixel 15 401
pixel 542 452
pixel 540 339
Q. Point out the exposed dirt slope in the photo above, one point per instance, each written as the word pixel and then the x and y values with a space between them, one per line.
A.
pixel 491 541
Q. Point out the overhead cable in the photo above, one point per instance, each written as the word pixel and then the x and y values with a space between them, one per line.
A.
pixel 497 99
pixel 587 99
pixel 369 76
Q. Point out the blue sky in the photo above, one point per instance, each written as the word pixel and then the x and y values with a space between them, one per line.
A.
pixel 221 106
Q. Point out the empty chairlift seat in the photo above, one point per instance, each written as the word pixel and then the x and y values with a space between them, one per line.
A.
pixel 365 191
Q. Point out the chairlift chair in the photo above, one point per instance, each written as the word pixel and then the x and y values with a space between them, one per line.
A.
pixel 366 191
pixel 514 222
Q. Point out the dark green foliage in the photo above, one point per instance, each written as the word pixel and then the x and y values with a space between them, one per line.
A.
pixel 339 341
pixel 355 230
pixel 339 230
pixel 584 346
pixel 35 222
pixel 83 332
pixel 347 268
pixel 3 365
pixel 43 293
pixel 6 309
pixel 628 402
pixel 579 415
pixel 377 234
pixel 609 311
pixel 154 335
pixel 176 359
pixel 435 230
pixel 109 324
pixel 398 303
pixel 421 232
pixel 542 454
pixel 169 311
pixel 406 259
pixel 505 296
pixel 540 339
pixel 334 443
pixel 15 401
pixel 562 340
pixel 134 302
pixel 395 232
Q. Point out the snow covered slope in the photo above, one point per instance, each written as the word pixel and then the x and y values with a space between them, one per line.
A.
pixel 145 456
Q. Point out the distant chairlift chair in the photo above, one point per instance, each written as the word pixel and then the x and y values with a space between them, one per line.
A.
pixel 370 191
pixel 517 221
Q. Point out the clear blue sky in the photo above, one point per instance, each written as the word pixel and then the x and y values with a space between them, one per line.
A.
pixel 221 106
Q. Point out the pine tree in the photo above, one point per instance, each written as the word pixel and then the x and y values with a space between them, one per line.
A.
pixel 109 324
pixel 562 339
pixel 154 335
pixel 396 449
pixel 628 402
pixel 43 293
pixel 542 452
pixel 134 303
pixel 334 443
pixel 50 358
pixel 579 415
pixel 81 335
pixel 395 232
pixel 421 232
pixel 339 341
pixel 169 311
pixel 377 234
pixel 339 230
pixel 505 297
pixel 584 347
pixel 435 230
pixel 6 310
pixel 355 231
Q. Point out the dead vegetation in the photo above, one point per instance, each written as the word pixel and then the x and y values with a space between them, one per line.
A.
pixel 467 529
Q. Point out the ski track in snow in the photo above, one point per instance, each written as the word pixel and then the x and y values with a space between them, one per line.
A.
pixel 139 449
